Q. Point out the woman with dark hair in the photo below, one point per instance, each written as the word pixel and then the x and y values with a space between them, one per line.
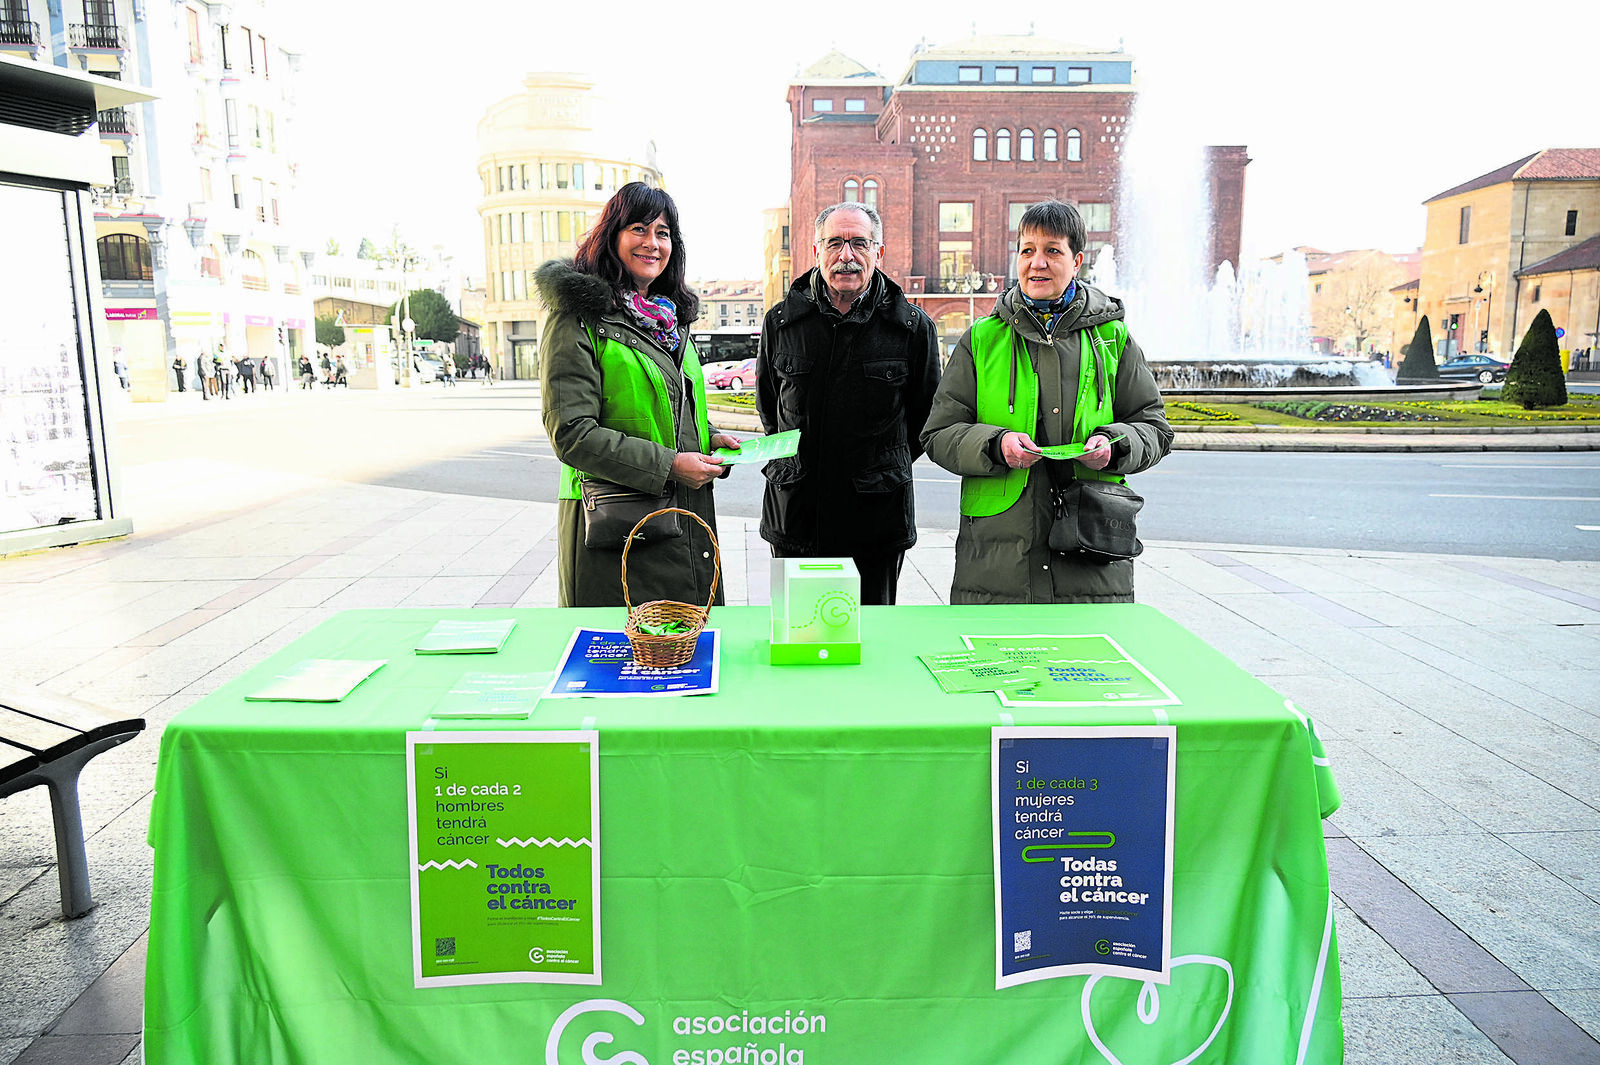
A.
pixel 625 401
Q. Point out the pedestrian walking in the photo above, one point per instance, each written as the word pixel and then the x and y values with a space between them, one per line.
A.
pixel 267 372
pixel 204 369
pixel 341 372
pixel 224 370
pixel 246 371
pixel 178 370
pixel 308 375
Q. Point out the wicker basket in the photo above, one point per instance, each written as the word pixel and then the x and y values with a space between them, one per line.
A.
pixel 664 652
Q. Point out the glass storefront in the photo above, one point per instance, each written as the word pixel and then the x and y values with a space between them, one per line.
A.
pixel 48 474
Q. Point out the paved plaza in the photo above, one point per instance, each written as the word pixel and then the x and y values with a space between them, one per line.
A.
pixel 1458 698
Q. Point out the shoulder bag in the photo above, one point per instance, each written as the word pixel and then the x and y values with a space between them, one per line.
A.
pixel 610 511
pixel 1095 520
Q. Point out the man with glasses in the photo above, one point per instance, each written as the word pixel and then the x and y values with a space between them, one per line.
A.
pixel 848 361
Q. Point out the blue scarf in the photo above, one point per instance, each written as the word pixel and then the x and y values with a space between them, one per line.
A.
pixel 1048 312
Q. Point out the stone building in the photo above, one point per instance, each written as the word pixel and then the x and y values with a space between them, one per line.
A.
pixel 549 158
pixel 956 150
pixel 1503 246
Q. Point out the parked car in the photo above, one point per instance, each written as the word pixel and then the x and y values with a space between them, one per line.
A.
pixel 739 375
pixel 1470 367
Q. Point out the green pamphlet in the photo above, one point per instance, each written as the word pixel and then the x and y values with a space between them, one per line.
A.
pixel 1067 451
pixel 317 680
pixel 495 695
pixel 961 672
pixel 1090 669
pixel 455 636
pixel 760 448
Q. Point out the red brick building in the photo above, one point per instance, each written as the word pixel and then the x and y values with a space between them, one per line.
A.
pixel 953 153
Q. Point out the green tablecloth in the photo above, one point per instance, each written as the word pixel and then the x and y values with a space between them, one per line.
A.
pixel 796 869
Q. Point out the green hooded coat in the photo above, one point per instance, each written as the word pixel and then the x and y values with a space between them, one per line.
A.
pixel 1006 557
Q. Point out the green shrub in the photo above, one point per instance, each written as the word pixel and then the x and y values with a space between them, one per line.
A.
pixel 1418 365
pixel 1535 379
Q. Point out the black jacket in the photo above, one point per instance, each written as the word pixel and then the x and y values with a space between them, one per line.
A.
pixel 859 389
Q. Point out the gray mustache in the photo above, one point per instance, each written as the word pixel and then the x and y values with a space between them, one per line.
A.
pixel 848 268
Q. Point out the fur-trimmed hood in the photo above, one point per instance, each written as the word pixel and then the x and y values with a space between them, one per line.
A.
pixel 564 289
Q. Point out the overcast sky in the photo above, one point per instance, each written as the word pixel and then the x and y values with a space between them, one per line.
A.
pixel 1353 113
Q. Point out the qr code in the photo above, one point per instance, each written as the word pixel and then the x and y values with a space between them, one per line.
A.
pixel 445 947
pixel 1022 941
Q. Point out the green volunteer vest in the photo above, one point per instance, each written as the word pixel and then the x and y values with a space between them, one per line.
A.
pixel 991 357
pixel 635 400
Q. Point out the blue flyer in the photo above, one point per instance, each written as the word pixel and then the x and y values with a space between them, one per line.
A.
pixel 598 663
pixel 1083 852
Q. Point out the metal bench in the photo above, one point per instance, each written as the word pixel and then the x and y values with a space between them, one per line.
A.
pixel 47 739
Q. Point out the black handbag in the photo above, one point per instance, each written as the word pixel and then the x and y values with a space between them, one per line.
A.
pixel 610 511
pixel 1095 520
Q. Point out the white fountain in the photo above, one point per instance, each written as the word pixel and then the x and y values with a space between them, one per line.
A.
pixel 1203 330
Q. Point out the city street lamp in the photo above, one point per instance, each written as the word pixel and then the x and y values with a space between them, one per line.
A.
pixel 1479 289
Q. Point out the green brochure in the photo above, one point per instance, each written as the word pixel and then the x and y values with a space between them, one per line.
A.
pixel 1067 451
pixel 456 636
pixel 317 680
pixel 961 672
pixel 1090 669
pixel 760 448
pixel 496 695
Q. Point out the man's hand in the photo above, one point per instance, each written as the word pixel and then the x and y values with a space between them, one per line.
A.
pixel 696 470
pixel 1096 452
pixel 1018 450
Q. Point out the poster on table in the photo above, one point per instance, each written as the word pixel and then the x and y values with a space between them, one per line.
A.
pixel 598 664
pixel 1083 852
pixel 505 857
pixel 1086 670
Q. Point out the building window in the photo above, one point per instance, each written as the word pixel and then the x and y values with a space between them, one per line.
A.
pixel 230 115
pixel 238 193
pixel 1002 145
pixel 192 18
pixel 955 259
pixel 1572 223
pixel 1044 75
pixel 205 185
pixel 1096 217
pixel 222 41
pixel 1077 75
pixel 969 75
pixel 1049 145
pixel 1316 290
pixel 855 105
pixel 1466 225
pixel 563 176
pixel 1017 211
pixel 955 218
pixel 1074 146
pixel 252 271
pixel 577 176
pixel 852 191
pixel 1025 145
pixel 980 144
pixel 1005 75
pixel 822 105
pixel 124 257
pixel 1536 289
pixel 869 192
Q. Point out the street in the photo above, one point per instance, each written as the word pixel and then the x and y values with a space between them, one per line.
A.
pixel 488 441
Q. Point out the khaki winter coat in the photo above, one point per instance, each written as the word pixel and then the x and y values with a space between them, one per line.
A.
pixel 1006 558
pixel 573 395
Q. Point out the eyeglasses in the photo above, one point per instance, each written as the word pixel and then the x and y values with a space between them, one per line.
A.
pixel 859 245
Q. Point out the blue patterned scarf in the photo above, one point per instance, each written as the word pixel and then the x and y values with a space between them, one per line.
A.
pixel 656 315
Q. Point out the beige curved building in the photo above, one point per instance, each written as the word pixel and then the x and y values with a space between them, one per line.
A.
pixel 549 158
